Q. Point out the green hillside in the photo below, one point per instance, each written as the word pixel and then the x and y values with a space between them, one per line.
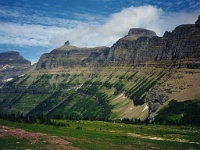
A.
pixel 82 93
pixel 176 113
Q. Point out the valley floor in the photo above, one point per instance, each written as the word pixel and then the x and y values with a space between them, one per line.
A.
pixel 97 135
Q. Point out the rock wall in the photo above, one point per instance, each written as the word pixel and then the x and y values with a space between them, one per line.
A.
pixel 69 57
pixel 179 48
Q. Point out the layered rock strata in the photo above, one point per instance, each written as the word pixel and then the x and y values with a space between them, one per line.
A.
pixel 179 48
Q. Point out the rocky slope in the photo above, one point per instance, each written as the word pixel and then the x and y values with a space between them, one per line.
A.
pixel 134 78
pixel 12 65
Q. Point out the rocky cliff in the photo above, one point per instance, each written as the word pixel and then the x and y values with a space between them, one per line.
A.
pixel 12 65
pixel 179 48
pixel 69 56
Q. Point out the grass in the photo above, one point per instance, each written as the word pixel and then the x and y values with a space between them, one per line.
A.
pixel 13 143
pixel 109 135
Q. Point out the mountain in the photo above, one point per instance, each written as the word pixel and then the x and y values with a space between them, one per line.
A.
pixel 12 58
pixel 69 56
pixel 12 65
pixel 136 77
pixel 140 47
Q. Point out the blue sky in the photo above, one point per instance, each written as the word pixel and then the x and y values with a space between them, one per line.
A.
pixel 34 27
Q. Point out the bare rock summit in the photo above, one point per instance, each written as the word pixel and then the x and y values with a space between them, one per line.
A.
pixel 141 32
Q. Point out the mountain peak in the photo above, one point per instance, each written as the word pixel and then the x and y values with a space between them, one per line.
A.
pixel 12 57
pixel 67 43
pixel 141 32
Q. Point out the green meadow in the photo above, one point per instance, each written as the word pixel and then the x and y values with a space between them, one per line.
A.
pixel 99 135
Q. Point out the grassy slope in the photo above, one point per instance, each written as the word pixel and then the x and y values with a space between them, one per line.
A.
pixel 105 135
pixel 96 92
pixel 187 112
pixel 64 92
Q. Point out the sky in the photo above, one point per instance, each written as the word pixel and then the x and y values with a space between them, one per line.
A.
pixel 34 27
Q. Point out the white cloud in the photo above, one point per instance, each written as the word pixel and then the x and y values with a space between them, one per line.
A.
pixel 118 25
pixel 31 35
pixel 92 34
pixel 168 21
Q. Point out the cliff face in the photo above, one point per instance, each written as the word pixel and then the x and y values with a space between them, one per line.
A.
pixel 128 49
pixel 182 44
pixel 179 48
pixel 69 56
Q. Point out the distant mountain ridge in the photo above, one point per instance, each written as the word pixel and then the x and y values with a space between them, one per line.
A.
pixel 12 65
pixel 12 58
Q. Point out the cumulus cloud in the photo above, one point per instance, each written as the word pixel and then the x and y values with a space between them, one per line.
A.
pixel 103 33
pixel 168 21
pixel 118 25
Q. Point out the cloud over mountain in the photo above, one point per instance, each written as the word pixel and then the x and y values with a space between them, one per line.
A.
pixel 118 25
pixel 87 34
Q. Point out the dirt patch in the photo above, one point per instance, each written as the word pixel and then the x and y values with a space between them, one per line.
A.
pixel 55 141
pixel 183 85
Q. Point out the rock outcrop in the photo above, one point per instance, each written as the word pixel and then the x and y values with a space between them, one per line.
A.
pixel 197 23
pixel 139 32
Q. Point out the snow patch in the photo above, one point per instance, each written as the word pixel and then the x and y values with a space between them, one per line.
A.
pixel 79 87
pixel 7 66
pixel 21 75
pixel 146 107
pixel 10 79
pixel 120 95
